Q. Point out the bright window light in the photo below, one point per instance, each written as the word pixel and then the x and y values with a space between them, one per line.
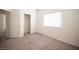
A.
pixel 53 20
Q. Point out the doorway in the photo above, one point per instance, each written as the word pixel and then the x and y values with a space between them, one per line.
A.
pixel 4 24
pixel 26 24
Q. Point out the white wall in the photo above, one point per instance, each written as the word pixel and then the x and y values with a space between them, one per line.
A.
pixel 68 33
pixel 32 13
pixel 14 23
pixel 8 9
pixel 17 21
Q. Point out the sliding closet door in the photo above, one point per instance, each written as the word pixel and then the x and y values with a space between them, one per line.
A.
pixel 2 26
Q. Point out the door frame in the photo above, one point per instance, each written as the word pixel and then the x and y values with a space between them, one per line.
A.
pixel 29 22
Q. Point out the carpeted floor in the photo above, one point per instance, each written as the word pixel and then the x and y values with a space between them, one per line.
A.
pixel 35 41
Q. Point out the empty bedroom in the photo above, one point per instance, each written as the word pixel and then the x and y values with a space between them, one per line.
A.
pixel 39 29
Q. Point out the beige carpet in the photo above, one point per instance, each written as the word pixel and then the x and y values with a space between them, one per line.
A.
pixel 35 41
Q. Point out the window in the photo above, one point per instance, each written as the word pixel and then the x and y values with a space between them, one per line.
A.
pixel 53 20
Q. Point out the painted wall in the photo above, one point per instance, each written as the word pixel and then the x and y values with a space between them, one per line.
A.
pixel 8 9
pixel 32 13
pixel 68 33
pixel 14 23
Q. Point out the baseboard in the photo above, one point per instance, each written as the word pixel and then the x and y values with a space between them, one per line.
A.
pixel 13 37
pixel 57 39
pixel 26 33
